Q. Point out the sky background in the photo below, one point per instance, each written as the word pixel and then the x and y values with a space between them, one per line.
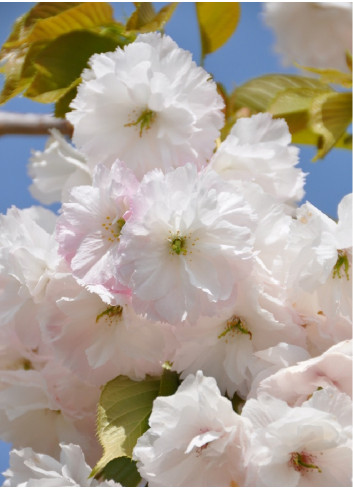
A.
pixel 248 54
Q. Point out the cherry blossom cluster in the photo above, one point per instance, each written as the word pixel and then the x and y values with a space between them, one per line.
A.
pixel 174 248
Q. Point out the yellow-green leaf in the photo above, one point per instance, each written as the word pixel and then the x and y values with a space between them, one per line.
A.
pixel 217 22
pixel 145 19
pixel 24 24
pixel 88 15
pixel 313 110
pixel 257 94
pixel 143 14
pixel 293 105
pixel 14 83
pixel 59 66
pixel 307 136
pixel 330 115
pixel 331 76
pixel 123 412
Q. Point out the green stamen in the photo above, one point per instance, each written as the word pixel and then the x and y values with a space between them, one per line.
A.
pixel 119 226
pixel 177 244
pixel 235 325
pixel 342 261
pixel 145 120
pixel 110 312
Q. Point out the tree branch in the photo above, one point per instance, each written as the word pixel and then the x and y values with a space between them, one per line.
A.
pixel 35 124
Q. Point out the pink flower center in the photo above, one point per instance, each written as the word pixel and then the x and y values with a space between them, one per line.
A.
pixel 303 462
pixel 235 325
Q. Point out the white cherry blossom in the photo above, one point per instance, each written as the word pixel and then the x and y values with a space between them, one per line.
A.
pixel 258 151
pixel 195 438
pixel 147 104
pixel 301 29
pixel 31 469
pixel 56 169
pixel 186 246
pixel 300 446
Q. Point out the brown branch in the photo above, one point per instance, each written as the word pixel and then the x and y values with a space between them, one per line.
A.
pixel 34 124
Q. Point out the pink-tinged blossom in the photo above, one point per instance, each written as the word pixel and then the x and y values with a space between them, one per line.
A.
pixel 90 225
pixel 308 445
pixel 195 438
pixel 296 383
pixel 31 469
pixel 97 341
pixel 147 104
pixel 187 245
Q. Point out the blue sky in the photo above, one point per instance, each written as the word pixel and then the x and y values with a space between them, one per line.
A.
pixel 248 54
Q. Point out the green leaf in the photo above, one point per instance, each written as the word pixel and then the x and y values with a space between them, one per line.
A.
pixel 314 111
pixel 145 19
pixel 59 66
pixel 169 382
pixel 217 22
pixel 122 470
pixel 80 16
pixel 123 412
pixel 62 106
pixel 237 403
pixel 330 116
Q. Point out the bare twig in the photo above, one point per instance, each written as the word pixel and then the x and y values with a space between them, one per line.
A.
pixel 35 124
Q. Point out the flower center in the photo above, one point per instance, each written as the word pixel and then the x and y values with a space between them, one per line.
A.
pixel 111 313
pixel 303 462
pixel 342 262
pixel 177 244
pixel 144 120
pixel 113 227
pixel 235 325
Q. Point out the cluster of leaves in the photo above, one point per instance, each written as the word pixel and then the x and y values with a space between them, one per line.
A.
pixel 315 112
